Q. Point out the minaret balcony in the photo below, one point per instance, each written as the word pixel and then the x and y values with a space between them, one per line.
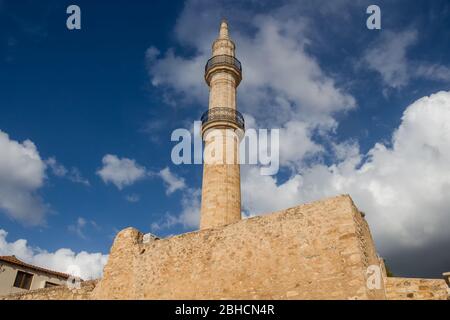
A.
pixel 223 63
pixel 227 118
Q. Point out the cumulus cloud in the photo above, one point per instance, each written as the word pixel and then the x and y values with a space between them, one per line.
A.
pixel 272 88
pixel 90 264
pixel 124 172
pixel 22 173
pixel 291 92
pixel 172 181
pixel 277 90
pixel 296 143
pixel 121 172
pixel 404 187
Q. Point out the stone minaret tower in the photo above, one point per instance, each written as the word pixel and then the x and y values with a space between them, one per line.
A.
pixel 222 125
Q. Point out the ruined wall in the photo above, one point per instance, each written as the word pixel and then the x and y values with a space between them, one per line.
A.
pixel 416 289
pixel 314 251
pixel 56 293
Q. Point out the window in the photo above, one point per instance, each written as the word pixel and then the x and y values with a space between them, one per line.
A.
pixel 50 284
pixel 23 280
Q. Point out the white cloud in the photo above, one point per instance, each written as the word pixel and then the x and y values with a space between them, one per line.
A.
pixel 190 215
pixel 274 89
pixel 176 71
pixel 433 71
pixel 22 173
pixel 404 189
pixel 389 57
pixel 291 84
pixel 189 218
pixel 80 226
pixel 61 171
pixel 57 168
pixel 172 181
pixel 296 143
pixel 75 176
pixel 290 89
pixel 121 172
pixel 90 264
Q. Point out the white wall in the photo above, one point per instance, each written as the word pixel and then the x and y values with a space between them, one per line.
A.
pixel 8 274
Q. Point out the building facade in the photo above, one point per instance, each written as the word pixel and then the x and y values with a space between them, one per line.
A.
pixel 17 276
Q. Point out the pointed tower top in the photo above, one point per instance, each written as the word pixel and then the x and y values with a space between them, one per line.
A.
pixel 223 34
pixel 223 45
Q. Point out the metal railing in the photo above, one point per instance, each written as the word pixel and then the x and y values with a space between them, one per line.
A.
pixel 225 114
pixel 225 60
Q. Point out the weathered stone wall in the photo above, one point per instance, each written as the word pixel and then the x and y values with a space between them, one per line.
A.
pixel 416 289
pixel 314 251
pixel 56 293
pixel 369 254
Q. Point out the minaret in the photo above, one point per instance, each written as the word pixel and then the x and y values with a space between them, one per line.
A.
pixel 222 129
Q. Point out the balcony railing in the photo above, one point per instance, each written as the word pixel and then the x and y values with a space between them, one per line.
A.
pixel 223 114
pixel 223 60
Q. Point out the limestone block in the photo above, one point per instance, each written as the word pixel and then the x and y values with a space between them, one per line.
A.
pixel 296 253
pixel 416 289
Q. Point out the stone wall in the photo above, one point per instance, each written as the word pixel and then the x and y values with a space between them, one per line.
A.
pixel 56 293
pixel 314 251
pixel 416 289
pixel 320 250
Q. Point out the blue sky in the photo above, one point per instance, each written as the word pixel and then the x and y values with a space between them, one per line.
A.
pixel 346 98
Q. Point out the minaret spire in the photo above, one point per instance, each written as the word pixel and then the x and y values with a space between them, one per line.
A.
pixel 223 45
pixel 223 34
pixel 222 129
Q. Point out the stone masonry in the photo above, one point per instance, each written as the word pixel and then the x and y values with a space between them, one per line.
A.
pixel 319 250
pixel 221 190
pixel 416 289
pixel 56 293
pixel 315 251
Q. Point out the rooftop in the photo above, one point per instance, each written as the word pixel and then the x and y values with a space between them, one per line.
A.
pixel 13 260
